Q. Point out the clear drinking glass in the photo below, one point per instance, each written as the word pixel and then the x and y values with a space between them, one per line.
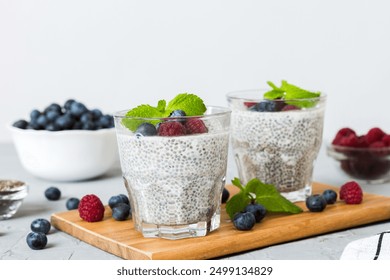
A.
pixel 175 183
pixel 277 147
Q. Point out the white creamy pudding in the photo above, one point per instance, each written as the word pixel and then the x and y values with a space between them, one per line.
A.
pixel 175 183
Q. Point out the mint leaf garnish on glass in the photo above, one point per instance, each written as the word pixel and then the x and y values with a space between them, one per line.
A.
pixel 189 103
pixel 292 94
pixel 264 194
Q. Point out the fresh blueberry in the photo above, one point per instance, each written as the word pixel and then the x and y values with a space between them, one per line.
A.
pixel 65 122
pixel 20 124
pixel 86 117
pixel 96 113
pixel 34 114
pixel 40 225
pixel 52 193
pixel 268 106
pixel 257 210
pixel 77 125
pixel 52 127
pixel 117 199
pixel 225 195
pixel 54 107
pixel 77 109
pixel 106 121
pixel 124 198
pixel 52 115
pixel 68 103
pixel 121 211
pixel 244 220
pixel 42 121
pixel 177 113
pixel 146 129
pixel 330 196
pixel 36 240
pixel 34 124
pixel 315 203
pixel 89 125
pixel 72 203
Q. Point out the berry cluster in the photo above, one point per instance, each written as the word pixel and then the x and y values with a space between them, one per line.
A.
pixel 350 193
pixel 37 238
pixel 177 124
pixel 72 115
pixel 120 206
pixel 90 209
pixel 365 154
pixel 253 213
pixel 277 105
pixel 374 138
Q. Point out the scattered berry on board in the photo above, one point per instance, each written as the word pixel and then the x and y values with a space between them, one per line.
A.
pixel 351 193
pixel 91 208
pixel 244 220
pixel 316 203
pixel 257 210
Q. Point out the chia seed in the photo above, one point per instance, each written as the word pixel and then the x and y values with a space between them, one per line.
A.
pixel 278 148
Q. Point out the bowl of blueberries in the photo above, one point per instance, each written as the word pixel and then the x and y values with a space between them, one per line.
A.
pixel 68 142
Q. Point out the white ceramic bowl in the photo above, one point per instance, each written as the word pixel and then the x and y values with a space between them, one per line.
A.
pixel 68 155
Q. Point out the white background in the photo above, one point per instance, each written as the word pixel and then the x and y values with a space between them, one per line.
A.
pixel 118 54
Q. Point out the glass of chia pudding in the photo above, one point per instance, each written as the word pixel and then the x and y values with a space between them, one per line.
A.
pixel 174 170
pixel 276 141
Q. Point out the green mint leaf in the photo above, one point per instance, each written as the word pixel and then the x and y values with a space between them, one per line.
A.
pixel 237 203
pixel 271 84
pixel 161 106
pixel 274 94
pixel 189 103
pixel 266 194
pixel 270 198
pixel 142 111
pixel 237 183
pixel 292 94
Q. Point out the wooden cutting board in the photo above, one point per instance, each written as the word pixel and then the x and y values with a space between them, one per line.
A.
pixel 121 239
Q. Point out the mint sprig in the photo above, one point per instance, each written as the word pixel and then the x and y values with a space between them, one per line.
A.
pixel 189 103
pixel 264 194
pixel 292 94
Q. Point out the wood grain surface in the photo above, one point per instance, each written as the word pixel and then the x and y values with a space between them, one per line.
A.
pixel 121 239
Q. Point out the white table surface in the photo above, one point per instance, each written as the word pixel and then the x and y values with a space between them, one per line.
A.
pixel 62 246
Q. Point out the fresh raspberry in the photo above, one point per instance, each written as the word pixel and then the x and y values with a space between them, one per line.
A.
pixel 250 104
pixel 378 148
pixel 91 208
pixel 386 140
pixel 362 143
pixel 195 125
pixel 344 132
pixel 374 134
pixel 349 141
pixel 351 193
pixel 290 108
pixel 171 128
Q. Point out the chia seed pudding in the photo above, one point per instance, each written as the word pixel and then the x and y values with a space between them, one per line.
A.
pixel 175 183
pixel 278 148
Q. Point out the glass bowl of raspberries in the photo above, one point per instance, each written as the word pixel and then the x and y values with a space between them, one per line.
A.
pixel 362 157
pixel 66 142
